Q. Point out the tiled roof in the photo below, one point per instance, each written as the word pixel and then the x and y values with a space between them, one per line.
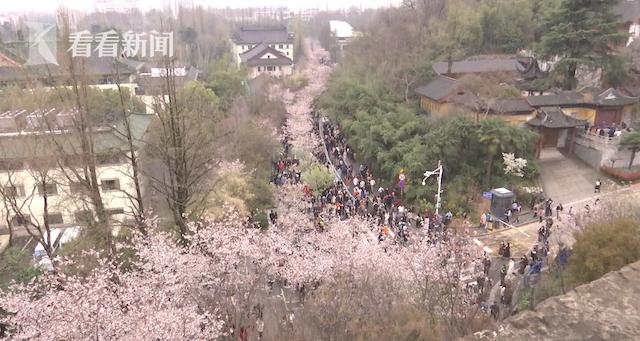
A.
pixel 554 117
pixel 256 35
pixel 512 106
pixel 586 96
pixel 253 57
pixel 93 66
pixel 438 88
pixel 32 144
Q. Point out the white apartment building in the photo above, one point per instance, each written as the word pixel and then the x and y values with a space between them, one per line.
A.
pixel 31 156
pixel 264 50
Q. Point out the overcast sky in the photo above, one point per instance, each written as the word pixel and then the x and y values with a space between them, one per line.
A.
pixel 88 5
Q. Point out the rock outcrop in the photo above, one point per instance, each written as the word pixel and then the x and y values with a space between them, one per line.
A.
pixel 605 309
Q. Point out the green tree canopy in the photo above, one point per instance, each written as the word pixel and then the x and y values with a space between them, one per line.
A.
pixel 580 32
pixel 604 247
pixel 318 178
pixel 632 141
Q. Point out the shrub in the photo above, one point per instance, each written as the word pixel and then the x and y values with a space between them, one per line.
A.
pixel 603 247
pixel 296 82
pixel 318 178
pixel 262 219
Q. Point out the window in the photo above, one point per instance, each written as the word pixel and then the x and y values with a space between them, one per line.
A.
pixel 114 211
pixel 20 220
pixel 280 46
pixel 83 217
pixel 279 68
pixel 271 68
pixel 50 189
pixel 110 185
pixel 259 69
pixel 287 53
pixel 16 191
pixel 268 56
pixel 55 218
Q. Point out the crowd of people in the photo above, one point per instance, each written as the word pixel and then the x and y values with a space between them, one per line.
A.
pixel 356 193
pixel 607 130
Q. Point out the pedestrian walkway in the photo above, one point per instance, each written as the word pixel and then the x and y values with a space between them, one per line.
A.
pixel 566 179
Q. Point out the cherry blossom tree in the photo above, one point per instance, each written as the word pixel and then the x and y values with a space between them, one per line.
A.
pixel 207 288
pixel 513 165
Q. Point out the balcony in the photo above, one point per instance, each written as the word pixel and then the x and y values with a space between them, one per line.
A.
pixel 596 141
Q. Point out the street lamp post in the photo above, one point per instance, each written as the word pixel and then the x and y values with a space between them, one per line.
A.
pixel 438 172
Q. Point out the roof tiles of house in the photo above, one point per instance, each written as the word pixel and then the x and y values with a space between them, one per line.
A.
pixel 613 97
pixel 512 106
pixel 437 89
pixel 92 67
pixel 554 117
pixel 253 57
pixel 256 35
pixel 586 96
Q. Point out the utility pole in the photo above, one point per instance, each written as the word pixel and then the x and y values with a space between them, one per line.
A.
pixel 438 172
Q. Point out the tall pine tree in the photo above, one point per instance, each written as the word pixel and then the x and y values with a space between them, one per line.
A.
pixel 580 32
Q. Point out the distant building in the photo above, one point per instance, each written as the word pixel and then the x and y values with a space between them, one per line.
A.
pixel 151 87
pixel 115 5
pixel 27 148
pixel 593 105
pixel 343 33
pixel 264 50
pixel 308 14
pixel 442 96
pixel 97 70
pixel 555 129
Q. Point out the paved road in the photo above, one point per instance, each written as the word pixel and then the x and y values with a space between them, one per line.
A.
pixel 524 237
pixel 567 180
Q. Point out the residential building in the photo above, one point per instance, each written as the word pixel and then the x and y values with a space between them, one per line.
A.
pixel 29 153
pixel 591 104
pixel 308 13
pixel 520 71
pixel 343 33
pixel 555 129
pixel 264 50
pixel 446 93
pixel 96 70
pixel 151 85
pixel 445 96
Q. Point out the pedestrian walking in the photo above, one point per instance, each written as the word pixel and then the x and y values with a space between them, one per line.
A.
pixel 495 310
pixel 598 185
pixel 559 210
pixel 259 327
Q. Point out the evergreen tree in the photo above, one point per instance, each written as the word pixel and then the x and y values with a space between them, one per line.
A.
pixel 580 32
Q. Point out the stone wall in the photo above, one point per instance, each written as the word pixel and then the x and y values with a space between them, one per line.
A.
pixel 605 309
pixel 590 156
pixel 598 152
